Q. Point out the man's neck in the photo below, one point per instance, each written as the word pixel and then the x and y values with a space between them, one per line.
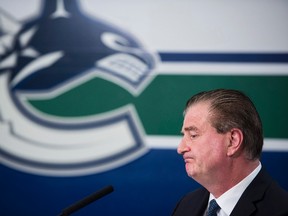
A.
pixel 234 175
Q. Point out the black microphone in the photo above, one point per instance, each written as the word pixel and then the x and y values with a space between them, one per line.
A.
pixel 86 201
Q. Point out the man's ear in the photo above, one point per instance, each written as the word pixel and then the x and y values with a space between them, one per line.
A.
pixel 236 139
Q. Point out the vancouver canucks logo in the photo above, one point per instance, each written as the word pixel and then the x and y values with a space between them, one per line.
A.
pixel 67 86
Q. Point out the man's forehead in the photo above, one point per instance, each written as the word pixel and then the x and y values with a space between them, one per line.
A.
pixel 204 103
pixel 196 116
pixel 198 110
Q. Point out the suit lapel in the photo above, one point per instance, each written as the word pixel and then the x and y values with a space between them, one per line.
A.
pixel 253 194
pixel 200 204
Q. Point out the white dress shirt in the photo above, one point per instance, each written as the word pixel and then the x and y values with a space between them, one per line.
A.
pixel 229 199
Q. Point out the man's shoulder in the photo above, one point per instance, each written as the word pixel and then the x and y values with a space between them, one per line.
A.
pixel 276 192
pixel 193 203
pixel 200 195
pixel 200 192
pixel 264 182
pixel 263 197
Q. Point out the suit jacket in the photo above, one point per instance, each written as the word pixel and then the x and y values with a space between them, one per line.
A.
pixel 263 197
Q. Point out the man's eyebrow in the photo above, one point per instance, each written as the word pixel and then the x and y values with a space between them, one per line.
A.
pixel 191 128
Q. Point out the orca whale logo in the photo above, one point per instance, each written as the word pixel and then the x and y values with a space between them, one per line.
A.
pixel 46 73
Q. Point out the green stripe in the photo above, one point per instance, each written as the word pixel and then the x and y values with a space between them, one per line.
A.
pixel 161 104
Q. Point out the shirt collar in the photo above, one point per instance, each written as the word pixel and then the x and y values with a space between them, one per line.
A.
pixel 229 199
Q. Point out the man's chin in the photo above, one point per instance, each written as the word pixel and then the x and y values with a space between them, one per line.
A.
pixel 190 171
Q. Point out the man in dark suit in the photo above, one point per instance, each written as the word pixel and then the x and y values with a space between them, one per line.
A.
pixel 221 146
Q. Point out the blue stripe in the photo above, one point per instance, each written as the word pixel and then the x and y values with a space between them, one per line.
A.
pixel 225 57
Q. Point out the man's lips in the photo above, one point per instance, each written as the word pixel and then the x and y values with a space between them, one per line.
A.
pixel 187 159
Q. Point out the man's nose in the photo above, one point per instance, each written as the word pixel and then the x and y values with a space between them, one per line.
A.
pixel 182 147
